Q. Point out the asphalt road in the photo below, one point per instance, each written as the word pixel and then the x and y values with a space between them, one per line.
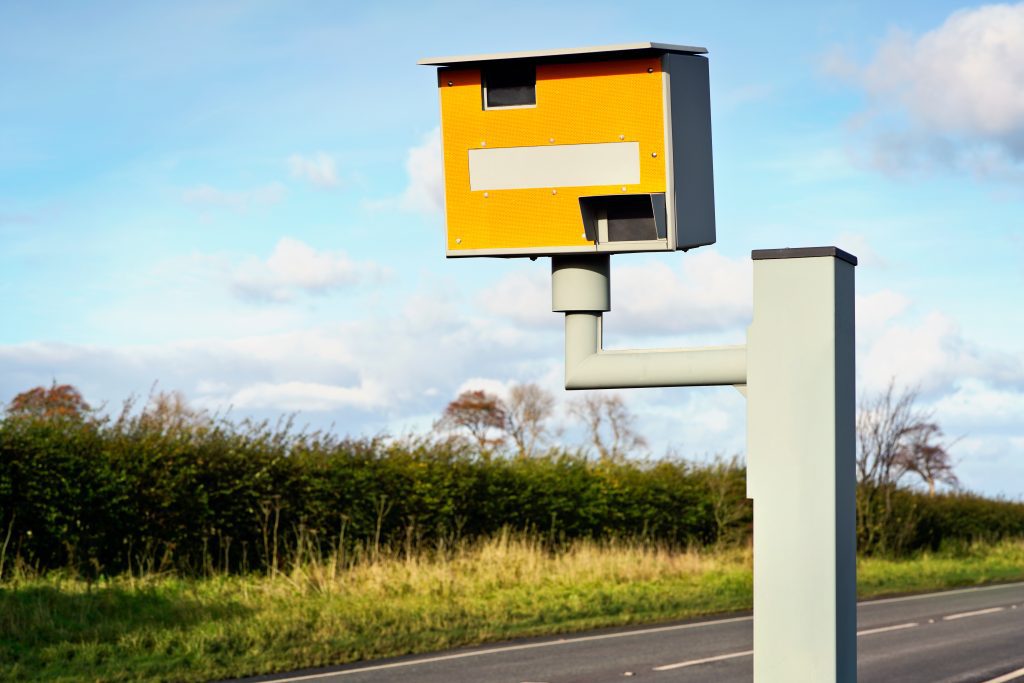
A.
pixel 966 636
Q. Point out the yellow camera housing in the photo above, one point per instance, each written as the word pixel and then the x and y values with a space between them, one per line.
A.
pixel 601 149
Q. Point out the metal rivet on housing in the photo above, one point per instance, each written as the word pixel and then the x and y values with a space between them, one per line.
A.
pixel 622 137
pixel 458 240
pixel 650 69
pixel 450 84
pixel 554 191
pixel 551 139
pixel 483 143
pixel 486 195
pixel 654 154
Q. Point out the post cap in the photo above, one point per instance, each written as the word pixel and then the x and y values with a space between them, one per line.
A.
pixel 803 252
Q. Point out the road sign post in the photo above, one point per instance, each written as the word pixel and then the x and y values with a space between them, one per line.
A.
pixel 797 371
pixel 800 465
pixel 579 154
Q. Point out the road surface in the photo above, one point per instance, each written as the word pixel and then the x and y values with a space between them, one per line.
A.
pixel 973 635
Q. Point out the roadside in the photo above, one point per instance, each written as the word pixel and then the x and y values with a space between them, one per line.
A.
pixel 958 636
pixel 155 628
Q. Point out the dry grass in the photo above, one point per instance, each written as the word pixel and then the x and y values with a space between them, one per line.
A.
pixel 335 610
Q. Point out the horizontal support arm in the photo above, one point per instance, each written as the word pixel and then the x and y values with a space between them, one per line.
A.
pixel 580 288
pixel 587 366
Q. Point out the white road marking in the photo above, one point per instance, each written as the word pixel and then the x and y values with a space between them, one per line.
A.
pixel 1012 676
pixel 885 629
pixel 510 648
pixel 622 634
pixel 732 655
pixel 975 613
pixel 695 662
pixel 939 594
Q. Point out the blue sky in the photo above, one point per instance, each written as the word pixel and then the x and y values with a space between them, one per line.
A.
pixel 239 200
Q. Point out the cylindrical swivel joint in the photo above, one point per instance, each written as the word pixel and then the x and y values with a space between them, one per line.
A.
pixel 581 283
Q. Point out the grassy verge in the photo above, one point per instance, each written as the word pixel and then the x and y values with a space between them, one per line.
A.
pixel 163 628
pixel 977 565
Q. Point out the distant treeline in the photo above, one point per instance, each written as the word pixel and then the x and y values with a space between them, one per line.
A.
pixel 168 488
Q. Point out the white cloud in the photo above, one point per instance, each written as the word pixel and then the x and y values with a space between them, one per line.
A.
pixel 933 354
pixel 876 310
pixel 967 76
pixel 976 406
pixel 523 297
pixel 953 96
pixel 294 267
pixel 237 200
pixel 702 292
pixel 496 387
pixel 360 374
pixel 705 292
pixel 548 376
pixel 991 464
pixel 976 392
pixel 698 422
pixel 312 370
pixel 318 169
pixel 396 369
pixel 307 396
pixel 928 354
pixel 858 245
pixel 424 165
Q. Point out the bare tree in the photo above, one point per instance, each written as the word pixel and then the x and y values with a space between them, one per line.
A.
pixel 526 416
pixel 925 454
pixel 894 438
pixel 609 424
pixel 883 423
pixel 725 479
pixel 169 412
pixel 480 414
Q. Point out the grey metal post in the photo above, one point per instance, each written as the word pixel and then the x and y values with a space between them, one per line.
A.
pixel 798 368
pixel 800 465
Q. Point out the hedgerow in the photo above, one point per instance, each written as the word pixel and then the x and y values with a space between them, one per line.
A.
pixel 109 496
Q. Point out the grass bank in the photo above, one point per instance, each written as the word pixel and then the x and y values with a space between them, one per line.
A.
pixel 163 628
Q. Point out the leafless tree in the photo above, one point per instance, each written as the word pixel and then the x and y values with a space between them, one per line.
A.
pixel 883 423
pixel 169 412
pixel 527 412
pixel 925 454
pixel 725 481
pixel 894 438
pixel 479 413
pixel 609 424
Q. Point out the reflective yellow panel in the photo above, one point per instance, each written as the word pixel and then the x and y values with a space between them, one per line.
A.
pixel 583 103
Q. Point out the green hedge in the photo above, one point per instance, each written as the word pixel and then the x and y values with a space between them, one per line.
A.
pixel 106 497
pixel 965 518
pixel 898 521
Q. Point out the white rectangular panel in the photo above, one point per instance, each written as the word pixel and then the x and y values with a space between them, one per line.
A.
pixel 522 168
